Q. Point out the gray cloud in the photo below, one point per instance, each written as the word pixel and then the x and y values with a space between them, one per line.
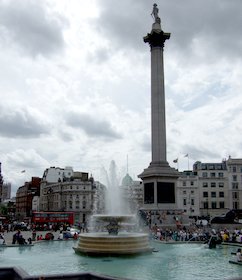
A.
pixel 124 26
pixel 214 25
pixel 99 56
pixel 20 123
pixel 92 126
pixel 28 25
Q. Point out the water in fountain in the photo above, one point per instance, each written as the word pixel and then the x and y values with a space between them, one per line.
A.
pixel 114 203
pixel 112 239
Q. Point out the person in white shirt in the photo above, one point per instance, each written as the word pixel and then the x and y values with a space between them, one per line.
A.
pixel 238 255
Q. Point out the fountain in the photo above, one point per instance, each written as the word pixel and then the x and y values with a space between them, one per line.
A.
pixel 113 231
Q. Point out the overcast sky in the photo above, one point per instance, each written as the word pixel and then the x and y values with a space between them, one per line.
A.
pixel 75 84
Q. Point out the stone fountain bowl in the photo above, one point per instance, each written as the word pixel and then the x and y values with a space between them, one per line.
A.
pixel 109 217
pixel 101 243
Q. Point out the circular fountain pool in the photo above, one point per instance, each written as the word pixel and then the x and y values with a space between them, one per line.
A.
pixel 172 261
pixel 113 241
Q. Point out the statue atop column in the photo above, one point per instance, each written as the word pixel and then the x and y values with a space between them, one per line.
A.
pixel 154 13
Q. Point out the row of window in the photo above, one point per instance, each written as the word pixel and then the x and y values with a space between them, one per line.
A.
pixel 212 174
pixel 213 194
pixel 185 201
pixel 235 169
pixel 214 204
pixel 65 196
pixel 213 184
pixel 184 183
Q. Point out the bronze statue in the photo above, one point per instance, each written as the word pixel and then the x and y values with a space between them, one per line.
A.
pixel 155 13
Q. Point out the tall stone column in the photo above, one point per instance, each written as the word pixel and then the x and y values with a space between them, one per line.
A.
pixel 156 40
pixel 159 178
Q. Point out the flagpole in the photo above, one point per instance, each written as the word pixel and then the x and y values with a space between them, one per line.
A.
pixel 187 155
pixel 176 161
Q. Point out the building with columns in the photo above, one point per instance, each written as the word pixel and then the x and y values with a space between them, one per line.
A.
pixel 63 189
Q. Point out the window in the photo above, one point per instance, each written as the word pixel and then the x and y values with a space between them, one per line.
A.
pixel 192 201
pixel 235 205
pixel 184 192
pixel 234 195
pixel 204 167
pixel 221 194
pixel 221 185
pixel 214 204
pixel 204 174
pixel 192 192
pixel 213 194
pixel 205 205
pixel 234 177
pixel 205 194
pixel 220 175
pixel 221 204
pixel 205 184
pixel 184 201
pixel 70 204
pixel 84 204
pixel 235 186
pixel 213 185
pixel 184 183
pixel 192 183
pixel 213 174
pixel 234 168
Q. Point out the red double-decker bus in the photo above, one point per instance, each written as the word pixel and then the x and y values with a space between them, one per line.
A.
pixel 53 217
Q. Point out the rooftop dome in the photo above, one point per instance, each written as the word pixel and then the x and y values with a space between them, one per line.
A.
pixel 127 180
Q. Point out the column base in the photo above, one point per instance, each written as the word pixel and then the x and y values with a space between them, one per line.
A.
pixel 159 169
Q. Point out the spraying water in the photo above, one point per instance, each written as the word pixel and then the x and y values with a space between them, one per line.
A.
pixel 114 202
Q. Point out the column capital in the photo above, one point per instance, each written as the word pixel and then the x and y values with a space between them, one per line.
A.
pixel 156 38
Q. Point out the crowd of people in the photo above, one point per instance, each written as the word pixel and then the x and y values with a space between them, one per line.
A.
pixel 25 234
pixel 189 233
pixel 195 233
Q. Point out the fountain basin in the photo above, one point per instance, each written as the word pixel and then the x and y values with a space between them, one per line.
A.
pixel 105 244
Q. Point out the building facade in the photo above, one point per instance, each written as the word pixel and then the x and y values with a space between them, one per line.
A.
pixel 234 167
pixel 213 187
pixel 24 198
pixel 188 193
pixel 63 189
pixel 6 191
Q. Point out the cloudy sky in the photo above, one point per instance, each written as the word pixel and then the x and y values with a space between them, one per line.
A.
pixel 75 84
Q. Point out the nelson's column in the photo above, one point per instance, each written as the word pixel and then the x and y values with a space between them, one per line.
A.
pixel 159 179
